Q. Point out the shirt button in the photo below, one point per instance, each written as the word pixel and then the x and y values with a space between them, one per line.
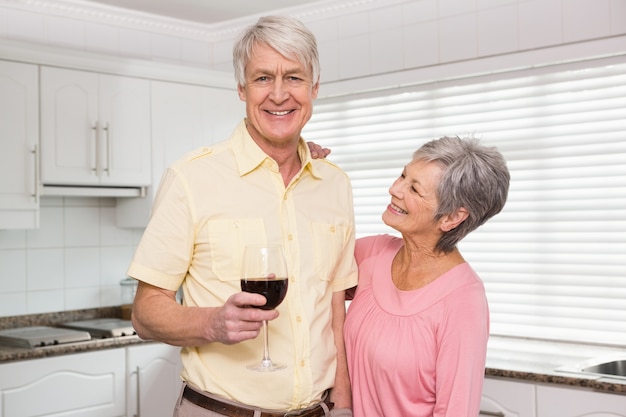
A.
pixel 332 229
pixel 290 237
pixel 299 319
pixel 302 363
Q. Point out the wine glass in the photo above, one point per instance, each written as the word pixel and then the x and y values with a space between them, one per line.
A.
pixel 265 272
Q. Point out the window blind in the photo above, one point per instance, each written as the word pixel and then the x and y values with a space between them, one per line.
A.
pixel 554 260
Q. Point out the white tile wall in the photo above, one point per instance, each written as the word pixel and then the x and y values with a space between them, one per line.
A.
pixel 458 38
pixel 583 19
pixel 102 38
pixel 25 26
pixel 419 11
pixel 498 30
pixel 65 32
pixel 166 48
pixel 540 23
pixel 135 43
pixel 617 11
pixel 386 49
pixel 78 256
pixel 194 52
pixel 421 44
pixel 3 23
pixel 354 57
pixel 75 260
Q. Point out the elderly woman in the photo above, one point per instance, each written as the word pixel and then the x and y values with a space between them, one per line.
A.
pixel 416 331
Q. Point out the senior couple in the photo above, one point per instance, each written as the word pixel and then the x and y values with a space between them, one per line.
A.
pixel 413 341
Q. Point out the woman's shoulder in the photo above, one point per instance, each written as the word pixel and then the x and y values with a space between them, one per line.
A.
pixel 376 243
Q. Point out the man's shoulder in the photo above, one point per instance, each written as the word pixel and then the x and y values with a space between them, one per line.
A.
pixel 327 167
pixel 201 153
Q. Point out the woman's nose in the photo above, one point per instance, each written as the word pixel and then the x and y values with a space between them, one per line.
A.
pixel 396 188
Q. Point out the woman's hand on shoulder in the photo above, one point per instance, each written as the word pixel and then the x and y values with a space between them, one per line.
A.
pixel 317 152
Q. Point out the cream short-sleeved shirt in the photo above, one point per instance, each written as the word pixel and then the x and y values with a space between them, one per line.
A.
pixel 213 202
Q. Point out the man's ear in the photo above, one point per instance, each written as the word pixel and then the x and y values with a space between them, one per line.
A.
pixel 241 92
pixel 451 221
pixel 316 89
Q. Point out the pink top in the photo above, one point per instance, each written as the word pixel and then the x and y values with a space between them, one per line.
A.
pixel 415 353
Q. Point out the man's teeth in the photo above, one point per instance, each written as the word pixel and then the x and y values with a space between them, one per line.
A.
pixel 396 208
pixel 279 113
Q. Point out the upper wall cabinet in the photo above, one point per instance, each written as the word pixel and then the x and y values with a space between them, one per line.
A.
pixel 95 129
pixel 19 135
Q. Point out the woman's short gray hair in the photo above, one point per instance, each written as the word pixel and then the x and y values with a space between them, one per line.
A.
pixel 475 177
pixel 288 36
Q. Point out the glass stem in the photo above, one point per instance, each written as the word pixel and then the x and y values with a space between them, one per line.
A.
pixel 266 350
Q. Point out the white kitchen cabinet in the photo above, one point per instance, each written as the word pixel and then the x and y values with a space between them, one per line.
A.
pixel 153 380
pixel 184 117
pixel 506 398
pixel 95 129
pixel 575 402
pixel 78 385
pixel 19 136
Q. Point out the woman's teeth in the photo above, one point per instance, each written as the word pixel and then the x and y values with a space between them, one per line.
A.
pixel 398 209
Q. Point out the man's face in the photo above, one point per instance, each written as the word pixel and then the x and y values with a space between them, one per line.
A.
pixel 279 96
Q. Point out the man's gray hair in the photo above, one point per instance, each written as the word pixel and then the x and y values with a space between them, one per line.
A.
pixel 288 36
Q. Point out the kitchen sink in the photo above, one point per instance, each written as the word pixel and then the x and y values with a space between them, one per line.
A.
pixel 617 368
pixel 611 367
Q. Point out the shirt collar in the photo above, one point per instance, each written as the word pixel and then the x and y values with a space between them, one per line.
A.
pixel 249 156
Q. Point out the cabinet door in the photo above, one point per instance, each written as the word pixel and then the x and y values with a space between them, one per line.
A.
pixel 503 398
pixel 153 380
pixel 78 385
pixel 124 130
pixel 576 402
pixel 69 127
pixel 19 135
pixel 95 129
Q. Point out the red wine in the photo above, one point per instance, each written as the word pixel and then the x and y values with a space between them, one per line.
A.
pixel 273 290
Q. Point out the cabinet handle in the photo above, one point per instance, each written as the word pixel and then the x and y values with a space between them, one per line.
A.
pixel 35 153
pixel 94 129
pixel 491 413
pixel 107 169
pixel 138 396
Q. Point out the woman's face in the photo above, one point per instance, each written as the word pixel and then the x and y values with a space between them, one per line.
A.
pixel 414 199
pixel 279 96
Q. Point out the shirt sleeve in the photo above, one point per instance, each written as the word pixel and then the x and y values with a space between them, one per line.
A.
pixel 164 253
pixel 462 353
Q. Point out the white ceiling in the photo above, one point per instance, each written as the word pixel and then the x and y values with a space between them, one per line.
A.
pixel 205 11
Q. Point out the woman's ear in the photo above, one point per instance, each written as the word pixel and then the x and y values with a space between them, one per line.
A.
pixel 451 221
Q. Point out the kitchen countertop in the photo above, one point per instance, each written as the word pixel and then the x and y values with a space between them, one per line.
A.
pixel 11 353
pixel 544 361
pixel 528 360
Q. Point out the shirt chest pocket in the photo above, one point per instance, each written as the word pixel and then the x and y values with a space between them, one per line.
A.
pixel 227 240
pixel 329 244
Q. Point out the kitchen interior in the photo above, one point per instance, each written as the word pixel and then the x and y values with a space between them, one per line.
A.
pixel 70 219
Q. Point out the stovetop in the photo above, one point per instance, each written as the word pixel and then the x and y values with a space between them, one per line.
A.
pixel 65 333
pixel 40 336
pixel 103 328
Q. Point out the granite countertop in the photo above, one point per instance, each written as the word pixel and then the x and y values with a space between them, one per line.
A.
pixel 11 353
pixel 527 360
pixel 550 362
